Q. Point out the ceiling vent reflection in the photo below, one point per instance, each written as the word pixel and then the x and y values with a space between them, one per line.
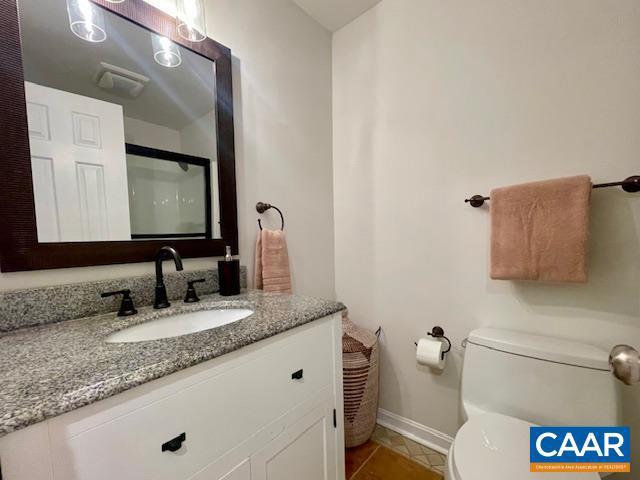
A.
pixel 120 81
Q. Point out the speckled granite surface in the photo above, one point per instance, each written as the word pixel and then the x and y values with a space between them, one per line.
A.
pixel 39 306
pixel 53 369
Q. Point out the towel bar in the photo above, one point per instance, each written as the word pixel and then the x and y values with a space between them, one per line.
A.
pixel 630 185
pixel 263 207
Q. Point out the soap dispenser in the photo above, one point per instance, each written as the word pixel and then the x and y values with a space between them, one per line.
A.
pixel 229 275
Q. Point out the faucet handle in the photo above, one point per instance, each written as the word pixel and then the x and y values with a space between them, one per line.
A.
pixel 127 308
pixel 192 296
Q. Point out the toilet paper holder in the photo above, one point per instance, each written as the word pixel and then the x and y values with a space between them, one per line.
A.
pixel 438 332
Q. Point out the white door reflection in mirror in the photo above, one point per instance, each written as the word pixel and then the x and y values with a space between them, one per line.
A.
pixel 79 166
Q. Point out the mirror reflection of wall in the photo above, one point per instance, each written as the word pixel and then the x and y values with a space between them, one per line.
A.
pixel 92 88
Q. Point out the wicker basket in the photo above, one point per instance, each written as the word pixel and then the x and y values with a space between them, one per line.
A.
pixel 360 356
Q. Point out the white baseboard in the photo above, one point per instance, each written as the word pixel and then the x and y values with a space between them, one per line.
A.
pixel 429 437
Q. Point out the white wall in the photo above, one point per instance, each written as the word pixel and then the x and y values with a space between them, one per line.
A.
pixel 437 101
pixel 282 82
pixel 139 132
pixel 282 93
pixel 199 139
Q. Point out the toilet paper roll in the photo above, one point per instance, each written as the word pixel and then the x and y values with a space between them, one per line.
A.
pixel 429 353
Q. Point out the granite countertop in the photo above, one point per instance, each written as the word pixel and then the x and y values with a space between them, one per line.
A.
pixel 53 369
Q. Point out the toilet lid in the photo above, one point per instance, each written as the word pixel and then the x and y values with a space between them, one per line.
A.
pixel 496 447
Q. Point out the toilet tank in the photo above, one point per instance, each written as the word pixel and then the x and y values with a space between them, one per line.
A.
pixel 542 380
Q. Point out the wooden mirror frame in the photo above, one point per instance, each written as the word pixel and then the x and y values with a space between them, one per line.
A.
pixel 19 247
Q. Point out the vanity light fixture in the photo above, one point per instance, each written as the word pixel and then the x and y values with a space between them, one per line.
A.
pixel 165 52
pixel 86 21
pixel 190 20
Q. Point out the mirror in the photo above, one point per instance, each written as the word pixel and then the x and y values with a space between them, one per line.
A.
pixel 122 128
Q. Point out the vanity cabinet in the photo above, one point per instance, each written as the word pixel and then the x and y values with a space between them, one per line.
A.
pixel 302 451
pixel 265 412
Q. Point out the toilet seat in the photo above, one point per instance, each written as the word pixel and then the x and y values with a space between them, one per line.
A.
pixel 491 446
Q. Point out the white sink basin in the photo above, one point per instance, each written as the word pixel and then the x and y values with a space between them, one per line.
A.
pixel 178 325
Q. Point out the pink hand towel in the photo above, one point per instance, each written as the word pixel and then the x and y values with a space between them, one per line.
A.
pixel 272 262
pixel 540 230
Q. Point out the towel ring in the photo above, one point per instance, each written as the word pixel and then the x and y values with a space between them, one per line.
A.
pixel 263 207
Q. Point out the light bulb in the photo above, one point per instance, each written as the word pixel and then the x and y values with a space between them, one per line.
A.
pixel 190 20
pixel 86 21
pixel 165 52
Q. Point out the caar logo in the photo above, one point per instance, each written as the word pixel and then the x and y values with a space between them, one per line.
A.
pixel 580 449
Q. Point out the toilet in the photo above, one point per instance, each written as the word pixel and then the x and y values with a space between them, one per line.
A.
pixel 511 381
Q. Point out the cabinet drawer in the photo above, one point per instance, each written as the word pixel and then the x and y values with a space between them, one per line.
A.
pixel 216 414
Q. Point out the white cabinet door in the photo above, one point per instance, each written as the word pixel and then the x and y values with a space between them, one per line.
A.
pixel 78 161
pixel 306 450
pixel 239 472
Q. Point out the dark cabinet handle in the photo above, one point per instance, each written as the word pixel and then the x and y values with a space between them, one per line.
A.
pixel 175 444
pixel 297 375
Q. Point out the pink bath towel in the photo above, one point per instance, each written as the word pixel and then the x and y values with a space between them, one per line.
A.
pixel 540 230
pixel 272 273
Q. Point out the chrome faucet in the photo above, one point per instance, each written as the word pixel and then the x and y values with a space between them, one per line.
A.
pixel 165 253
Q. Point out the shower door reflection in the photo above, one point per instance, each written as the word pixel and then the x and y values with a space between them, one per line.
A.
pixel 169 194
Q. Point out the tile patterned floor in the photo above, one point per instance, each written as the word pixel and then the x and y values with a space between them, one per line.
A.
pixel 389 456
pixel 419 453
